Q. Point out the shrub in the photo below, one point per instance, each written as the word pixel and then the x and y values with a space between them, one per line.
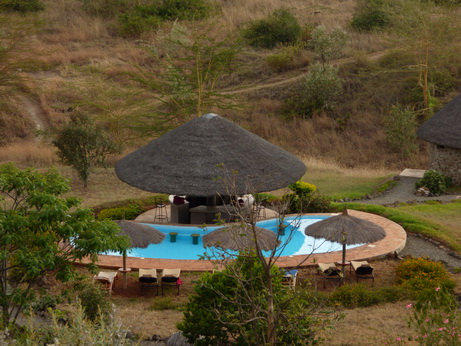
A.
pixel 107 8
pixel 93 300
pixel 313 203
pixel 22 6
pixel 370 15
pixel 127 213
pixel 138 21
pixel 184 9
pixel 280 27
pixel 328 44
pixel 435 181
pixel 355 295
pixel 302 188
pixel 400 127
pixel 283 60
pixel 420 274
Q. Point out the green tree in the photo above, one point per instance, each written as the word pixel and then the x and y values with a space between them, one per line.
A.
pixel 400 126
pixel 43 233
pixel 82 145
pixel 233 304
pixel 183 81
pixel 431 34
pixel 15 53
pixel 328 45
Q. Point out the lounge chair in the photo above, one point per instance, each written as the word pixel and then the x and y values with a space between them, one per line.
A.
pixel 330 272
pixel 107 279
pixel 170 277
pixel 148 279
pixel 289 278
pixel 363 270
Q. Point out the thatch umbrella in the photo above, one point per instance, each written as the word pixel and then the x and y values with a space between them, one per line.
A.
pixel 241 237
pixel 141 236
pixel 346 230
pixel 190 159
pixel 444 128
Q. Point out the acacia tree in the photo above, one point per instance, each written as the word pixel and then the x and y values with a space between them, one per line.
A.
pixel 430 33
pixel 189 62
pixel 43 233
pixel 82 145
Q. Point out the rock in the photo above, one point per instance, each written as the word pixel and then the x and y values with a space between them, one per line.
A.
pixel 156 338
pixel 177 339
pixel 423 191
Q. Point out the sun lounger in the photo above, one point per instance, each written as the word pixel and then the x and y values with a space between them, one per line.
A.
pixel 363 270
pixel 148 279
pixel 330 272
pixel 107 279
pixel 170 277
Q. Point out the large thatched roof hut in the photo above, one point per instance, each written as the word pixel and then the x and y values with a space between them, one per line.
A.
pixel 197 157
pixel 443 132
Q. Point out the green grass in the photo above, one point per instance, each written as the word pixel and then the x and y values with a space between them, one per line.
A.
pixel 435 220
pixel 340 183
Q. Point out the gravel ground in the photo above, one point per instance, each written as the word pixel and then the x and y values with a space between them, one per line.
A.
pixel 416 245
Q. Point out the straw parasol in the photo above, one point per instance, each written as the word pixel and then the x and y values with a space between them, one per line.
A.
pixel 141 236
pixel 190 160
pixel 241 237
pixel 346 230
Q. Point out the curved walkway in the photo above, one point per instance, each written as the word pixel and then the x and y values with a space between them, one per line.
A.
pixel 393 243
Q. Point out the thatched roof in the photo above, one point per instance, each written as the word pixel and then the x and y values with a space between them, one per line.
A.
pixel 191 158
pixel 241 237
pixel 346 229
pixel 141 236
pixel 444 128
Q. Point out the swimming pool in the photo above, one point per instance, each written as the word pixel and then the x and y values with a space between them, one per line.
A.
pixel 183 249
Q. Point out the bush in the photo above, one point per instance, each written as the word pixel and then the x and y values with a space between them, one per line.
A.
pixel 359 295
pixel 400 127
pixel 184 9
pixel 328 44
pixel 355 295
pixel 282 61
pixel 302 188
pixel 22 6
pixel 138 21
pixel 370 15
pixel 313 203
pixel 435 181
pixel 107 8
pixel 127 213
pixel 93 300
pixel 280 27
pixel 420 274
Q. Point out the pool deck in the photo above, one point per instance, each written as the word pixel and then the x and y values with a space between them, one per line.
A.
pixel 392 244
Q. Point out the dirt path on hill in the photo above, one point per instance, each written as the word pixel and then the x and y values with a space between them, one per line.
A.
pixel 299 74
pixel 33 111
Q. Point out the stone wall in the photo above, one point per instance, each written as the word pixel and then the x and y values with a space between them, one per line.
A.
pixel 446 160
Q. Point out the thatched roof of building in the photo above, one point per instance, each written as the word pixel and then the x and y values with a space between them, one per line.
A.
pixel 444 128
pixel 241 237
pixel 346 229
pixel 192 158
pixel 141 236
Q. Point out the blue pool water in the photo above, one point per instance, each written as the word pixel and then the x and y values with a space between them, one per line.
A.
pixel 299 244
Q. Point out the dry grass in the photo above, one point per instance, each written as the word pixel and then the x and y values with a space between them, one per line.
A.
pixel 29 154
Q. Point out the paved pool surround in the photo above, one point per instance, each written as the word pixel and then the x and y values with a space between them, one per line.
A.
pixel 392 244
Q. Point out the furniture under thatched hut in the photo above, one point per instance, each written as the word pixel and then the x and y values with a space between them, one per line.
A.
pixel 443 132
pixel 207 157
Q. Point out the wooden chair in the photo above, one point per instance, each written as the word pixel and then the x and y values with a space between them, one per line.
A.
pixel 170 277
pixel 330 273
pixel 107 279
pixel 363 270
pixel 148 279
